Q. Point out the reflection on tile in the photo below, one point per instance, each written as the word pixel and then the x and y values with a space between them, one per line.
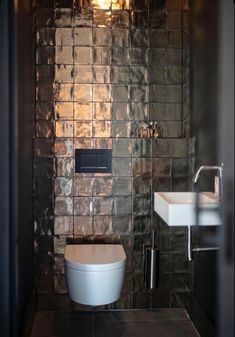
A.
pixel 139 18
pixel 161 148
pixel 64 167
pixel 102 143
pixel 120 74
pixel 102 224
pixel 138 111
pixel 63 17
pixel 101 111
pixel 139 37
pixel 63 55
pixel 122 224
pixel 83 74
pixel 83 36
pixel 82 92
pixel 82 111
pixel 122 147
pixel 102 37
pixel 45 55
pixel 46 36
pixel 122 205
pixel 120 111
pixel 141 167
pixel 138 56
pixel 83 55
pixel 45 129
pixel 121 167
pixel 63 225
pixel 138 74
pixel 63 186
pixel 120 55
pixel 44 92
pixel 83 143
pixel 64 74
pixel 83 129
pixel 101 55
pixel 139 93
pixel 120 37
pixel 102 186
pixel 120 129
pixel 83 186
pixel 101 93
pixel 63 206
pixel 122 186
pixel 120 19
pixel 82 206
pixel 64 129
pixel 83 225
pixel 141 205
pixel 64 36
pixel 141 148
pixel 101 74
pixel 161 167
pixel 101 18
pixel 83 16
pixel 101 129
pixel 120 93
pixel 64 110
pixel 142 185
pixel 103 205
pixel 63 147
pixel 63 92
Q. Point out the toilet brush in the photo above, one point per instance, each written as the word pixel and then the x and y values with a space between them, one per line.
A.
pixel 151 266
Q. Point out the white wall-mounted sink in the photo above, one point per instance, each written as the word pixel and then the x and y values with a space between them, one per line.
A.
pixel 178 208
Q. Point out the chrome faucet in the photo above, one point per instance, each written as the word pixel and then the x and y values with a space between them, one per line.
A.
pixel 218 178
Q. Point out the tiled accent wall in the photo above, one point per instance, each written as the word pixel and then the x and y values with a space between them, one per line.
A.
pixel 100 74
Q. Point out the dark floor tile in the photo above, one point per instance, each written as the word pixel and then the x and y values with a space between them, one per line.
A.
pixel 54 324
pixel 142 315
pixel 164 328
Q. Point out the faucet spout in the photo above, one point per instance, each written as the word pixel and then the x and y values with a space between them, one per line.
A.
pixel 219 169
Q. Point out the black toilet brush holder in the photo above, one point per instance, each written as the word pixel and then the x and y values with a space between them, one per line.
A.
pixel 151 265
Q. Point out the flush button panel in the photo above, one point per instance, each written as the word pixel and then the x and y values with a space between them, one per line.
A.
pixel 93 161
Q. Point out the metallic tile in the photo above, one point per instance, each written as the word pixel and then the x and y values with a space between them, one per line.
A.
pixel 102 111
pixel 63 110
pixel 83 36
pixel 82 111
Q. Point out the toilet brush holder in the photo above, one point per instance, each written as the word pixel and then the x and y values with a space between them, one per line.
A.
pixel 151 266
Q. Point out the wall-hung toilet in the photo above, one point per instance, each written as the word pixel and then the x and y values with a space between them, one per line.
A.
pixel 94 272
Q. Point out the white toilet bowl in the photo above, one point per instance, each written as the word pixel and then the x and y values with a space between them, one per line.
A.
pixel 94 272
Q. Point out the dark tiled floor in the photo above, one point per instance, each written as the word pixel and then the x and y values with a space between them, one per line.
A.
pixel 135 323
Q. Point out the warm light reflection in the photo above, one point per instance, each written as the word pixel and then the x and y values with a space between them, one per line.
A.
pixel 107 4
pixel 102 4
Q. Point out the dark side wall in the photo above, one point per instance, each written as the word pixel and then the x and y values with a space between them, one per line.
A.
pixel 16 111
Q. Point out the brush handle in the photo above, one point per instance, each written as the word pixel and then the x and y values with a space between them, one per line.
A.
pixel 153 239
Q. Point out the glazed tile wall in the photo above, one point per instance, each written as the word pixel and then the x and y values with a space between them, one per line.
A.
pixel 101 73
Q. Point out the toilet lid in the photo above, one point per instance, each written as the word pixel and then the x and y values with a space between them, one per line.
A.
pixel 94 257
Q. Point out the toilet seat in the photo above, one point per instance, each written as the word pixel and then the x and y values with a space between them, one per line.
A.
pixel 94 257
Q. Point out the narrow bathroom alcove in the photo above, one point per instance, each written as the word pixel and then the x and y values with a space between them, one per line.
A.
pixel 106 102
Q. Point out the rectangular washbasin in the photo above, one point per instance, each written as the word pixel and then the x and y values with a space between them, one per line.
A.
pixel 178 208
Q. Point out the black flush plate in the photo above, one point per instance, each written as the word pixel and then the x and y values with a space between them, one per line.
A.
pixel 93 161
